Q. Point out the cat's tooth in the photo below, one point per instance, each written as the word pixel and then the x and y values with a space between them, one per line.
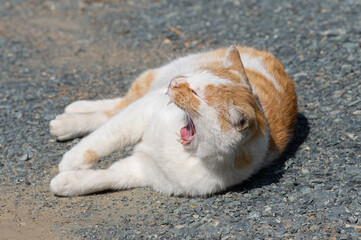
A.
pixel 178 135
pixel 170 101
pixel 180 140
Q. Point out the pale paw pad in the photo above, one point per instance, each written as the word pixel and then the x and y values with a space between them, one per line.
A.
pixel 65 126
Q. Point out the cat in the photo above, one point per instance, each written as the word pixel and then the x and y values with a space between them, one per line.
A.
pixel 201 124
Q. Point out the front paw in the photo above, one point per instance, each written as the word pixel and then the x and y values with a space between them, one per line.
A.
pixel 65 184
pixel 65 126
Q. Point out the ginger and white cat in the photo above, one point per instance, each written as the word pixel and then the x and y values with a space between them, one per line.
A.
pixel 229 118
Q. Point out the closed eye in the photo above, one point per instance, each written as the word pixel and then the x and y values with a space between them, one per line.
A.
pixel 194 92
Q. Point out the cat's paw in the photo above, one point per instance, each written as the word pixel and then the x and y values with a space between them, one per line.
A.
pixel 75 183
pixel 66 126
pixel 66 184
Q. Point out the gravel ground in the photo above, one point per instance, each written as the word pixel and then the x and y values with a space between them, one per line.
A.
pixel 55 52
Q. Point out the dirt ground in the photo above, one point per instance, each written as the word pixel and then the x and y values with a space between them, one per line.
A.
pixel 59 37
pixel 56 52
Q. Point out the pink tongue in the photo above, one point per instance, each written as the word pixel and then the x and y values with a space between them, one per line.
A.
pixel 186 132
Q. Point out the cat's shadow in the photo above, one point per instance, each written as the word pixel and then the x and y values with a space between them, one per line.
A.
pixel 274 172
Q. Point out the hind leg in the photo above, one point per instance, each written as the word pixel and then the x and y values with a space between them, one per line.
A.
pixel 85 106
pixel 138 89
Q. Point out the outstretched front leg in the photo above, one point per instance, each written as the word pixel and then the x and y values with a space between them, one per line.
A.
pixel 88 106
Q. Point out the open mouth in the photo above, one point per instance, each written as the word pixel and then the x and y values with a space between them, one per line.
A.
pixel 187 132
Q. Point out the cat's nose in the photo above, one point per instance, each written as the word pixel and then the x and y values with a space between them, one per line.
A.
pixel 174 83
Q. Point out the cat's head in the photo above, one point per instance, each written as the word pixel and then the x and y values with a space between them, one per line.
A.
pixel 221 111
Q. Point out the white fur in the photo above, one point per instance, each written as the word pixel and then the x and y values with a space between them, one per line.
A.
pixel 159 160
pixel 92 106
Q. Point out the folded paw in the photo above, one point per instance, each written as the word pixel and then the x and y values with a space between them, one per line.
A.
pixel 66 126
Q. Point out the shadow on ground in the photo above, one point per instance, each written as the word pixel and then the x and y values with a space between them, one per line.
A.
pixel 274 172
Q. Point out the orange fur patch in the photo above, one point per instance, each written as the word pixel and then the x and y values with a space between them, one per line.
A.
pixel 90 157
pixel 220 97
pixel 243 159
pixel 111 113
pixel 141 86
pixel 138 89
pixel 280 107
pixel 216 69
pixel 184 98
pixel 122 103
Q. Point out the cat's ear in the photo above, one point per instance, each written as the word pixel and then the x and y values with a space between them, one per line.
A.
pixel 237 118
pixel 233 61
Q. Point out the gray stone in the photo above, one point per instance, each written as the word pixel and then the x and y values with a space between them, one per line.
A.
pixel 254 215
pixel 84 50
pixel 24 157
pixel 334 32
pixel 305 190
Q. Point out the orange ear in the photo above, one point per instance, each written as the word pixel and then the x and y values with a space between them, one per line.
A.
pixel 233 61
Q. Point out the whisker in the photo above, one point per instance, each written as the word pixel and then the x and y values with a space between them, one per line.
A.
pixel 170 59
pixel 163 54
pixel 181 66
pixel 180 55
